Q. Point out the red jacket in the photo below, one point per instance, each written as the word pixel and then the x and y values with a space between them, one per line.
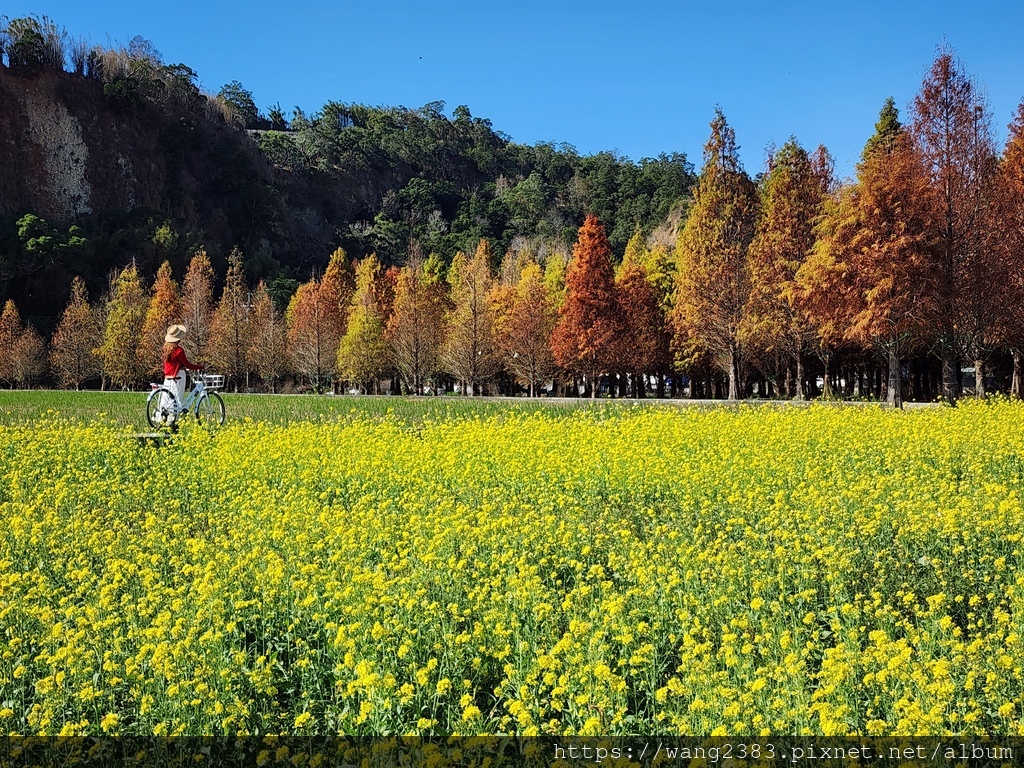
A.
pixel 176 362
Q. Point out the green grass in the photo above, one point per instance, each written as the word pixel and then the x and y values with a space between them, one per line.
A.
pixel 127 409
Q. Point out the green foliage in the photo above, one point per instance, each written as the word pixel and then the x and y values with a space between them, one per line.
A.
pixel 887 129
pixel 235 95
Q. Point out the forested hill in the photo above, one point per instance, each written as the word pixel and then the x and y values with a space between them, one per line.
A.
pixel 112 155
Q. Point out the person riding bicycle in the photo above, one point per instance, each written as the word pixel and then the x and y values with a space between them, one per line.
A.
pixel 175 362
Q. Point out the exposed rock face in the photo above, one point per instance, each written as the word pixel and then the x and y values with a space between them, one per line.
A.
pixel 57 136
pixel 65 153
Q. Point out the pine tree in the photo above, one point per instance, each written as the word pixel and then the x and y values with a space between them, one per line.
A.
pixel 163 311
pixel 125 314
pixel 469 352
pixel 268 351
pixel 363 354
pixel 197 306
pixel 230 334
pixel 713 275
pixel 78 333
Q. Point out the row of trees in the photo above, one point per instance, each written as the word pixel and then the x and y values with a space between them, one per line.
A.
pixel 923 253
pixel 775 284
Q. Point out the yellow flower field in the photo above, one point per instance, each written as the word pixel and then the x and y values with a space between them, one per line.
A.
pixel 753 571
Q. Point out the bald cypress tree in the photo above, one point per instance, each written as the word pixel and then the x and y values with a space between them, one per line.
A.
pixel 952 128
pixel 589 322
pixel 713 282
pixel 72 357
pixel 870 274
pixel 791 200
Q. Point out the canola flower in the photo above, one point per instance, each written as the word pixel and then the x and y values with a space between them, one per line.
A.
pixel 752 571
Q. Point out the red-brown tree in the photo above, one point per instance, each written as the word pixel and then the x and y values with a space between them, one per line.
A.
pixel 268 351
pixel 523 329
pixel 589 325
pixel 870 276
pixel 197 305
pixel 953 130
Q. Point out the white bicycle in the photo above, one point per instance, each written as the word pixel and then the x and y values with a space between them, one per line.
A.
pixel 163 407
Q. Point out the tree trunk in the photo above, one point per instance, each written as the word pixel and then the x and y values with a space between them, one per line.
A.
pixel 734 375
pixel 895 388
pixel 950 376
pixel 799 377
pixel 1015 383
pixel 826 378
pixel 979 378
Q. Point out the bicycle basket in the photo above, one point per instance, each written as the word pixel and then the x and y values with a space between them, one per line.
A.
pixel 212 380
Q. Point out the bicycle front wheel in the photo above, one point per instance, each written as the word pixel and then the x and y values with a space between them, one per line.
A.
pixel 210 409
pixel 161 408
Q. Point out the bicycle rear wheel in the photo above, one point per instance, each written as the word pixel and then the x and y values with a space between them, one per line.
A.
pixel 161 408
pixel 210 409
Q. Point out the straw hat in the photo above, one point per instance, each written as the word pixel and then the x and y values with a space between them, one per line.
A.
pixel 175 333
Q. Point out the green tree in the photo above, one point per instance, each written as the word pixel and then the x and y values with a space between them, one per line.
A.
pixel 241 102
pixel 125 315
pixel 363 355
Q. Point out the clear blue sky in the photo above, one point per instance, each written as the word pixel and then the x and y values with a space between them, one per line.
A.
pixel 640 78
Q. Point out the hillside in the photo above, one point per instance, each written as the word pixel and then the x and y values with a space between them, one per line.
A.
pixel 113 155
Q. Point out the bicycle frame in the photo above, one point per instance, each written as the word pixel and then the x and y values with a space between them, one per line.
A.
pixel 191 397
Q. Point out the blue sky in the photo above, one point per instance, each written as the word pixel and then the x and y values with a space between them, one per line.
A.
pixel 640 78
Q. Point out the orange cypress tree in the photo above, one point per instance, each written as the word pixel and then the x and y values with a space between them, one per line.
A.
pixel 268 351
pixel 952 128
pixel 78 333
pixel 415 330
pixel 197 305
pixel 469 352
pixel 10 332
pixel 230 333
pixel 871 268
pixel 791 201
pixel 29 357
pixel 336 286
pixel 589 325
pixel 524 329
pixel 306 320
pixel 163 311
